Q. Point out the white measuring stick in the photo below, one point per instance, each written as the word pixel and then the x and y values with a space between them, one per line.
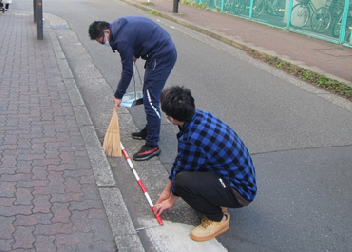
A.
pixel 140 183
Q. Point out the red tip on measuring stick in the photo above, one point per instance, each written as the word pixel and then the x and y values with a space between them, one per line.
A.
pixel 157 216
pixel 159 219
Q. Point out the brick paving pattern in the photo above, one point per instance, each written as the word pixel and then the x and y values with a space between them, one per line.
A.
pixel 48 197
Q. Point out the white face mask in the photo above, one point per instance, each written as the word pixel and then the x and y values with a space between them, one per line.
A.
pixel 170 121
pixel 107 43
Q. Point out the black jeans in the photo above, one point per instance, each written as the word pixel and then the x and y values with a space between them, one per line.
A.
pixel 6 6
pixel 206 192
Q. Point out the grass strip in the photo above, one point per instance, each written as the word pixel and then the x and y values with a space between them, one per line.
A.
pixel 314 78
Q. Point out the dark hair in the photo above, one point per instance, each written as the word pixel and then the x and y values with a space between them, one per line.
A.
pixel 178 103
pixel 96 29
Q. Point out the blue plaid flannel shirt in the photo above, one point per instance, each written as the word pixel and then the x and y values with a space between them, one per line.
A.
pixel 207 144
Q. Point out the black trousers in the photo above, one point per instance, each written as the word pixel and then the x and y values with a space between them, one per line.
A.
pixel 206 192
pixel 6 6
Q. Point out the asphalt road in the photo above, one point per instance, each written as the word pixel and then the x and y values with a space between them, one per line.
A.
pixel 300 137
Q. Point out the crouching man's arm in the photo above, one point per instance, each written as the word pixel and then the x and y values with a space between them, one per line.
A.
pixel 166 200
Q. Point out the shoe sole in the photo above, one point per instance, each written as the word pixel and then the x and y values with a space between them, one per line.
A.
pixel 201 239
pixel 155 153
pixel 138 138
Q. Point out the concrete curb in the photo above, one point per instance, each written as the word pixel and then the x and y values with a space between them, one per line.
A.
pixel 125 235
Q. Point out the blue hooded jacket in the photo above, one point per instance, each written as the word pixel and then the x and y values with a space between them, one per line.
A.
pixel 140 37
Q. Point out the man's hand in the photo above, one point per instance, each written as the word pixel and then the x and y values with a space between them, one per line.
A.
pixel 159 208
pixel 164 196
pixel 117 103
pixel 166 200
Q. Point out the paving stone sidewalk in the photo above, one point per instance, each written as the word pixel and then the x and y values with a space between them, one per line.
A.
pixel 49 197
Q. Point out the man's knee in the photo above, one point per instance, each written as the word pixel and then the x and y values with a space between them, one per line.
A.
pixel 182 181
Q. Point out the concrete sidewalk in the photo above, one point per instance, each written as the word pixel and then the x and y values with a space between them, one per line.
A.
pixel 57 192
pixel 316 55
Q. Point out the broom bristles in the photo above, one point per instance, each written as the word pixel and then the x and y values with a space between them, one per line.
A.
pixel 111 143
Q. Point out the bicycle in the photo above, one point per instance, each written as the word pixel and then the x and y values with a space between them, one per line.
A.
pixel 272 7
pixel 227 5
pixel 217 4
pixel 319 21
pixel 336 28
pixel 232 6
pixel 276 7
pixel 240 6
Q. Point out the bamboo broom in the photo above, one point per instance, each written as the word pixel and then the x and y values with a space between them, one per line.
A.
pixel 111 145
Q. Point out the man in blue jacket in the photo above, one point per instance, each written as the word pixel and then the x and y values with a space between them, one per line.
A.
pixel 139 37
pixel 212 170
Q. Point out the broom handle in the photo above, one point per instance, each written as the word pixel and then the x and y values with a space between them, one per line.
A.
pixel 134 85
pixel 157 216
pixel 139 75
pixel 134 81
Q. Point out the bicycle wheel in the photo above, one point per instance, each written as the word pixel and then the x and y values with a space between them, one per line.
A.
pixel 299 15
pixel 320 20
pixel 276 7
pixel 270 9
pixel 239 6
pixel 336 29
pixel 258 7
pixel 217 4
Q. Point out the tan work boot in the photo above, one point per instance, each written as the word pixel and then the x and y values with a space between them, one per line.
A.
pixel 208 229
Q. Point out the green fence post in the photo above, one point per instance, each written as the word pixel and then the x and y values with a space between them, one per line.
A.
pixel 290 4
pixel 344 22
pixel 250 9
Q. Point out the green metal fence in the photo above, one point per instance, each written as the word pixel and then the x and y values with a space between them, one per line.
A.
pixel 330 20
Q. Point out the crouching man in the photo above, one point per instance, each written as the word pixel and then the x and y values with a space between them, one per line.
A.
pixel 212 170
